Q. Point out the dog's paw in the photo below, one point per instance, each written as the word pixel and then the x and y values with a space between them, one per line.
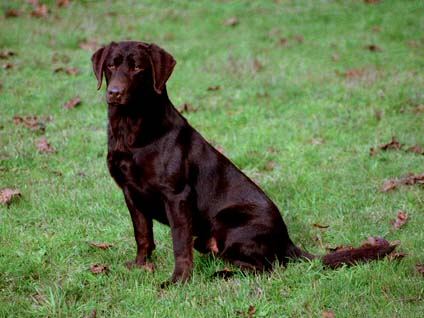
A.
pixel 148 266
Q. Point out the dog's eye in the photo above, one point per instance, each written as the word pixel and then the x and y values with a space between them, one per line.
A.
pixel 137 69
pixel 111 67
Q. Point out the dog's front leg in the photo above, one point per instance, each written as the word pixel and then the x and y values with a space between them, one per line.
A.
pixel 143 233
pixel 180 220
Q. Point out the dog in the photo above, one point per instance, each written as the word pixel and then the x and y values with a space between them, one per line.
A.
pixel 169 173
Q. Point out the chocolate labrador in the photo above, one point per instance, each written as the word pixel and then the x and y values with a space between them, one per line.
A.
pixel 168 172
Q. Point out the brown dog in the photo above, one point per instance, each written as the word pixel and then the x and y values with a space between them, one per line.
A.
pixel 170 173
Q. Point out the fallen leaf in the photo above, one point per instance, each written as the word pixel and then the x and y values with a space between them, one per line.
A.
pixel 89 45
pixel 57 57
pixel 373 48
pixel 39 298
pixel 298 38
pixel 257 65
pixel 269 166
pixel 317 141
pixel 7 66
pixel 93 314
pixel 214 88
pixel 373 151
pixel 283 41
pixel 7 195
pixel 251 311
pixel 6 54
pixel 416 149
pixel 103 246
pixel 376 28
pixel 72 103
pixel 320 226
pixel 394 144
pixel 99 269
pixel 418 109
pixel 378 114
pixel 187 108
pixel 335 57
pixel 389 185
pixel 233 21
pixel 354 73
pixel 67 70
pixel 31 122
pixel 328 314
pixel 420 268
pixel 12 13
pixel 43 146
pixel 412 179
pixel 401 219
pixel 40 11
pixel 371 1
pixel 62 3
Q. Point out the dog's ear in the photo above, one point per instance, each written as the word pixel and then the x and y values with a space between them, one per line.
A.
pixel 98 61
pixel 162 65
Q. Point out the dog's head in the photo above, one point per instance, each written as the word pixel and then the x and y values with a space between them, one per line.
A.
pixel 130 69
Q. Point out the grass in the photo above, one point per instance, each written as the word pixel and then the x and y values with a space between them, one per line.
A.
pixel 284 113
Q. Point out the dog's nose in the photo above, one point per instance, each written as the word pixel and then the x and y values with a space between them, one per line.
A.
pixel 114 92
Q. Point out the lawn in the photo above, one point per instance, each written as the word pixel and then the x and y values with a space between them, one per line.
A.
pixel 295 93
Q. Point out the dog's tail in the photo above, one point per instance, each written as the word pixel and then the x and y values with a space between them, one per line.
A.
pixel 373 249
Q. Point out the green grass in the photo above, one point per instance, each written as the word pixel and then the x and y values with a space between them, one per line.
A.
pixel 257 116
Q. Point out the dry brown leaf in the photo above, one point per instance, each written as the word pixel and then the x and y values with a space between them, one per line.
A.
pixel 89 45
pixel 418 109
pixel 389 185
pixel 416 149
pixel 376 28
pixel 214 88
pixel 43 146
pixel 12 13
pixel 103 246
pixel 67 70
pixel 233 21
pixel 373 48
pixel 420 268
pixel 283 41
pixel 317 141
pixel 62 3
pixel 354 73
pixel 371 1
pixel 320 226
pixel 257 65
pixel 187 108
pixel 328 314
pixel 40 11
pixel 335 57
pixel 410 179
pixel 99 269
pixel 373 151
pixel 72 103
pixel 251 311
pixel 401 219
pixel 394 144
pixel 378 114
pixel 7 195
pixel 31 122
pixel 298 38
pixel 6 54
pixel 269 165
pixel 7 66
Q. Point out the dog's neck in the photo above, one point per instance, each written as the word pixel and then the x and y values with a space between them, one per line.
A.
pixel 151 115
